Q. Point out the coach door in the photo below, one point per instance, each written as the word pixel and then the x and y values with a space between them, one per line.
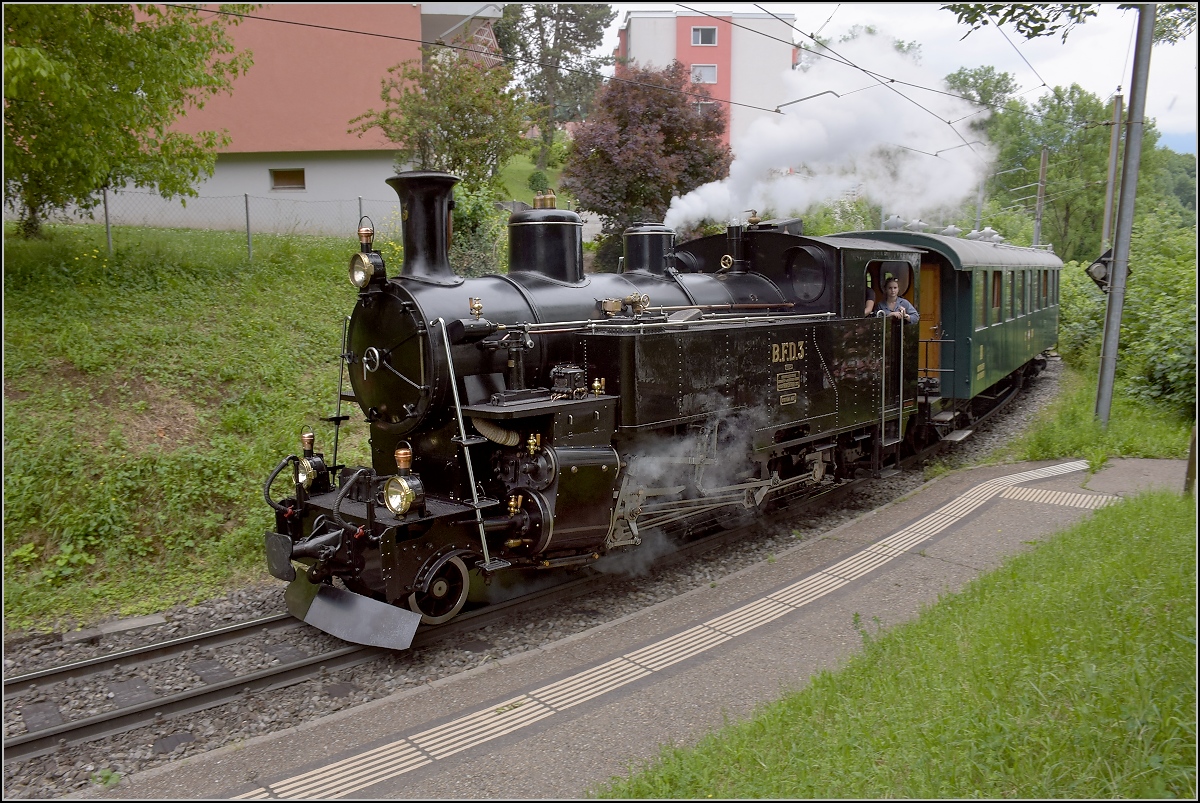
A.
pixel 929 306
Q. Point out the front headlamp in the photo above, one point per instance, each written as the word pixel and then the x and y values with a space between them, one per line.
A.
pixel 399 493
pixel 366 267
pixel 308 468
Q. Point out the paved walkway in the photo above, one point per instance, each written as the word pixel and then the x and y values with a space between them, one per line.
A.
pixel 557 721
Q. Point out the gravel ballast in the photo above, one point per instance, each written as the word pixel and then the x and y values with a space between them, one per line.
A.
pixel 74 770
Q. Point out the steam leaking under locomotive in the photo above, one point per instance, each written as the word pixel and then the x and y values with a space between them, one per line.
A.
pixel 549 418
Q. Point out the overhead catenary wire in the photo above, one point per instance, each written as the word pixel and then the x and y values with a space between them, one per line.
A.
pixel 702 96
pixel 887 84
pixel 515 59
pixel 1018 50
pixel 837 58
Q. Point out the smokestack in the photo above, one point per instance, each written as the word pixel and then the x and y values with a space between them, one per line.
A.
pixel 426 198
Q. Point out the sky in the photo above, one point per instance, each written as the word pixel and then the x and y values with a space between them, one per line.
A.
pixel 1097 55
pixel 895 148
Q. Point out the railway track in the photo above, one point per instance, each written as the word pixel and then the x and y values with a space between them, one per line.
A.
pixel 39 695
pixel 300 653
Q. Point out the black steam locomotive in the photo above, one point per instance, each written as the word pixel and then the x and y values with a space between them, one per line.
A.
pixel 550 418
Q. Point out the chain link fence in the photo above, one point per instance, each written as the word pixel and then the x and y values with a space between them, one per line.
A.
pixel 246 213
pixel 252 215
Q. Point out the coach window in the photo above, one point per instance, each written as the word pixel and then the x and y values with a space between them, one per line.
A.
pixel 704 73
pixel 1019 293
pixel 1010 282
pixel 287 179
pixel 1045 285
pixel 981 279
pixel 706 37
pixel 997 313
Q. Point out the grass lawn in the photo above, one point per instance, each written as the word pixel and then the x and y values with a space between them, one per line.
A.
pixel 148 395
pixel 1068 673
pixel 515 177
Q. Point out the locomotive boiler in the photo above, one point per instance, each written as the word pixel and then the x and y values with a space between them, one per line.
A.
pixel 548 418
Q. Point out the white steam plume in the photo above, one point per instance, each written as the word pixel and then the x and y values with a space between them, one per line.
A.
pixel 838 144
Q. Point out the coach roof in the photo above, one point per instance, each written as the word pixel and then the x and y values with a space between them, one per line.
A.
pixel 964 254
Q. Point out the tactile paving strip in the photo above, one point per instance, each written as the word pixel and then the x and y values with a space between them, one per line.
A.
pixel 351 775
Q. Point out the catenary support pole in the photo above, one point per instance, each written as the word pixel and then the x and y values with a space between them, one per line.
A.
pixel 1134 128
pixel 1114 145
pixel 1041 197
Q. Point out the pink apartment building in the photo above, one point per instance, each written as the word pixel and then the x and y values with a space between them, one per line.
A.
pixel 737 56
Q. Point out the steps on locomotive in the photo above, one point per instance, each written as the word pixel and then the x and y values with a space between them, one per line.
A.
pixel 959 435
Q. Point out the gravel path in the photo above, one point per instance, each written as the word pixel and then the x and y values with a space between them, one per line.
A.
pixel 76 770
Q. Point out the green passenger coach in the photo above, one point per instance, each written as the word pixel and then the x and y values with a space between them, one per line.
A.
pixel 988 310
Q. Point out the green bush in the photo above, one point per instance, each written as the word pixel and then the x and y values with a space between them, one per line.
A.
pixel 538 181
pixel 1157 358
pixel 1080 316
pixel 1158 328
pixel 479 242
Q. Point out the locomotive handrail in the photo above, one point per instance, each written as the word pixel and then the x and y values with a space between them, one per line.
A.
pixel 576 326
pixel 487 564
pixel 337 424
pixel 927 371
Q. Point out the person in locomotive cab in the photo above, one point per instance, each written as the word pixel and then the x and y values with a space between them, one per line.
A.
pixel 894 306
pixel 870 305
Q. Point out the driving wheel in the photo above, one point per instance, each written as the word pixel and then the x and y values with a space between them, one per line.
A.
pixel 446 595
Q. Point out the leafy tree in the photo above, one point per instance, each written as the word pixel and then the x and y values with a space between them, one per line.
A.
pixel 450 113
pixel 1173 21
pixel 91 92
pixel 1077 172
pixel 477 246
pixel 646 140
pixel 554 44
pixel 990 89
pixel 1175 182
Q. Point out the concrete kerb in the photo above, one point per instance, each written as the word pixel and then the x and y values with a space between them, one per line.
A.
pixel 487 664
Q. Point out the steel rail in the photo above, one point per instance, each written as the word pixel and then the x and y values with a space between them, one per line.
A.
pixel 210 695
pixel 149 653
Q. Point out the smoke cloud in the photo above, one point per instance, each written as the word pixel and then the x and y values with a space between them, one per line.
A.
pixel 827 147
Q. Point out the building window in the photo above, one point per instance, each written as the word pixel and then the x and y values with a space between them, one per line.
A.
pixel 704 36
pixel 704 106
pixel 704 73
pixel 287 179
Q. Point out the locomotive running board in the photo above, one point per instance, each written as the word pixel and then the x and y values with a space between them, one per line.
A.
pixel 349 616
